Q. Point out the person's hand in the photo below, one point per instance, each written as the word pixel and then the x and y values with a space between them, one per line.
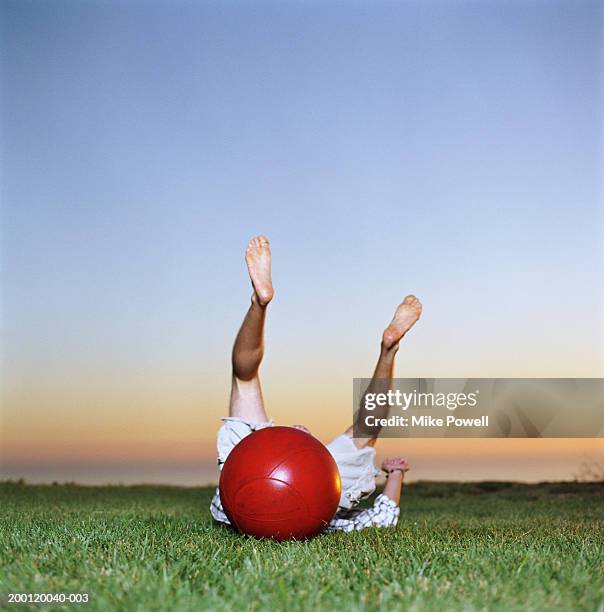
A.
pixel 302 428
pixel 395 463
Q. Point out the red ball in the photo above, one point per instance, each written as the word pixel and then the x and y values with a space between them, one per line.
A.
pixel 280 483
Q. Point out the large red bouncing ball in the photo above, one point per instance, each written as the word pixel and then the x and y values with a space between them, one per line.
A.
pixel 280 483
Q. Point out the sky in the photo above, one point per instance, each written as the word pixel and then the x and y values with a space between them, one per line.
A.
pixel 449 149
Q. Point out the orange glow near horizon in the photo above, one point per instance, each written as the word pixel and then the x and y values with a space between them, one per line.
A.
pixel 133 437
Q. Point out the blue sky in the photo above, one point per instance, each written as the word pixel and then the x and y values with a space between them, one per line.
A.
pixel 451 149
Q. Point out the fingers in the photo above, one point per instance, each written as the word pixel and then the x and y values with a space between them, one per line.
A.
pixel 393 463
pixel 302 428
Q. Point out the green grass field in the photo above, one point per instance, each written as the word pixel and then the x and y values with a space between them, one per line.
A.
pixel 481 546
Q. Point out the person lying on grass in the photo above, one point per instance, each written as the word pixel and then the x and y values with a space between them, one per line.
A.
pixel 354 456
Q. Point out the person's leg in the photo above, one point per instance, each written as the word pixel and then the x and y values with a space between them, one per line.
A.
pixel 246 394
pixel 405 317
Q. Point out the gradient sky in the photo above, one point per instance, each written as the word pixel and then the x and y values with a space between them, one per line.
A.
pixel 450 149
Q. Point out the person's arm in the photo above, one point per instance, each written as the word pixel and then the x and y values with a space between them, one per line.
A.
pixel 394 485
pixel 385 511
pixel 395 469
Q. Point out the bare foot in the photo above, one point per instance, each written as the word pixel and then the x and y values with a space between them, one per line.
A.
pixel 404 318
pixel 258 260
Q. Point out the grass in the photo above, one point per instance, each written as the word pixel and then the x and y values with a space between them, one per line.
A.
pixel 495 546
